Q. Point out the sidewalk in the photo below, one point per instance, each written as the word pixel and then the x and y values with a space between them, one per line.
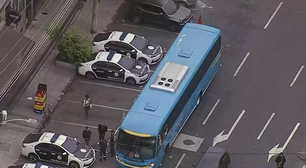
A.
pixel 57 79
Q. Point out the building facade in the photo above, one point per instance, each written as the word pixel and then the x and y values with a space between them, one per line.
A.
pixel 18 14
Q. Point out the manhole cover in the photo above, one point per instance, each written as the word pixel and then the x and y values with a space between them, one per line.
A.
pixel 5 147
pixel 188 142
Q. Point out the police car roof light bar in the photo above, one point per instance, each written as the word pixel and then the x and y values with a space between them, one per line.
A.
pixel 38 165
pixel 54 137
pixel 110 55
pixel 123 35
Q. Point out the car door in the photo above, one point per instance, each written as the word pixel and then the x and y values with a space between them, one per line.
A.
pixel 58 155
pixel 115 72
pixel 128 50
pixel 112 46
pixel 43 151
pixel 100 69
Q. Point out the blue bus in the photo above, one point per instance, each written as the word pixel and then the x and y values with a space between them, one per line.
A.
pixel 169 98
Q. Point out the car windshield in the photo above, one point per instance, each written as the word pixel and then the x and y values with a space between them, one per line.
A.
pixel 71 145
pixel 133 147
pixel 139 43
pixel 127 63
pixel 170 7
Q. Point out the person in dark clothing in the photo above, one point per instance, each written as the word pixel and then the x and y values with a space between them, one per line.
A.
pixel 101 131
pixel 102 147
pixel 86 135
pixel 280 160
pixel 111 140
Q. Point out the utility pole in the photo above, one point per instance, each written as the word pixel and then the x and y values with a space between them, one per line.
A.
pixel 94 21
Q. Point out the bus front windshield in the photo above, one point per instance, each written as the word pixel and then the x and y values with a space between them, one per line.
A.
pixel 134 147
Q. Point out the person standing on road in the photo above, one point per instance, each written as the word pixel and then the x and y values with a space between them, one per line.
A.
pixel 86 135
pixel 87 104
pixel 280 160
pixel 111 140
pixel 102 147
pixel 101 131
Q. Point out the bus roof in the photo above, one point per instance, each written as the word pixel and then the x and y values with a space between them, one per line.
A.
pixel 153 105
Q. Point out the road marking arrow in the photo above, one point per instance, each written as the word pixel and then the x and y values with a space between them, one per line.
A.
pixel 276 150
pixel 220 137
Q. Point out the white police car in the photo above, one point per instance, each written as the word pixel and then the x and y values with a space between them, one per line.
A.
pixel 57 148
pixel 30 165
pixel 114 66
pixel 128 44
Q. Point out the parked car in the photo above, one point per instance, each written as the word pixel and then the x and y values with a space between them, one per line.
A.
pixel 57 148
pixel 163 12
pixel 30 165
pixel 114 66
pixel 185 3
pixel 129 44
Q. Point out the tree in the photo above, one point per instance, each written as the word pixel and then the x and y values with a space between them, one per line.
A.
pixel 72 46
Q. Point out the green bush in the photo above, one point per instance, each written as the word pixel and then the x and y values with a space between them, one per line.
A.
pixel 72 46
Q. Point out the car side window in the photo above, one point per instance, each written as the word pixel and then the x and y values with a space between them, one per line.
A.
pixel 156 9
pixel 100 64
pixel 126 47
pixel 113 66
pixel 112 44
pixel 145 6
pixel 44 146
pixel 57 149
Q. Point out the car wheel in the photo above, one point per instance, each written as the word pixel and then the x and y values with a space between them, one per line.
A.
pixel 90 75
pixel 172 27
pixel 74 164
pixel 183 4
pixel 131 81
pixel 136 19
pixel 143 60
pixel 33 157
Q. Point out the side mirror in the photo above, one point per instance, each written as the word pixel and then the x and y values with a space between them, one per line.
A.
pixel 64 153
pixel 121 70
pixel 133 51
pixel 161 13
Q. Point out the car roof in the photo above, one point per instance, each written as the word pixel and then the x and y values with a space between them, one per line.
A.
pixel 54 138
pixel 108 56
pixel 155 2
pixel 125 37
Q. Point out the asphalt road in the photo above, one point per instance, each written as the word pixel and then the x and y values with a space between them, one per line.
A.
pixel 263 85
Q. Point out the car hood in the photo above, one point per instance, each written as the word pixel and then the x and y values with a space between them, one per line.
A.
pixel 139 68
pixel 181 14
pixel 152 48
pixel 84 152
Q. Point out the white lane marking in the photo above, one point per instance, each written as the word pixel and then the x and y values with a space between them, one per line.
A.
pixel 180 161
pixel 97 105
pixel 129 25
pixel 244 59
pixel 276 150
pixel 111 86
pixel 211 111
pixel 266 125
pixel 296 76
pixel 76 124
pixel 269 21
pixel 220 137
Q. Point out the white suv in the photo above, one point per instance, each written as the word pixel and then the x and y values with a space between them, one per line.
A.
pixel 128 44
pixel 59 149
